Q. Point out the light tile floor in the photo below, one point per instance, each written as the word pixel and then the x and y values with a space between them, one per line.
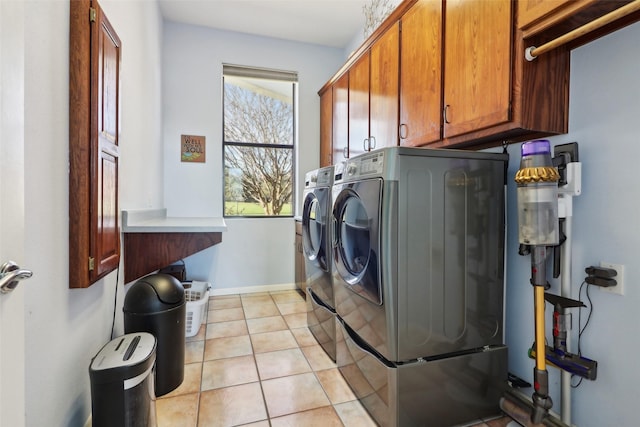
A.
pixel 256 364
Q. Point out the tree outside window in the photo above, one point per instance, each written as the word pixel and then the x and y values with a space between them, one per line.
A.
pixel 259 132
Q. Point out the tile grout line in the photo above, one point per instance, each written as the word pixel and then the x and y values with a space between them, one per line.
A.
pixel 204 348
pixel 314 371
pixel 255 363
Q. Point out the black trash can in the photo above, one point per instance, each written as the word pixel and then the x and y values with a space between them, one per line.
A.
pixel 122 392
pixel 156 304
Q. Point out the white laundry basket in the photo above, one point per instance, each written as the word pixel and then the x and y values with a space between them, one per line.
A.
pixel 197 296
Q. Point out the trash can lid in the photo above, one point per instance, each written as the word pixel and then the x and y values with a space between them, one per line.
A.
pixel 156 292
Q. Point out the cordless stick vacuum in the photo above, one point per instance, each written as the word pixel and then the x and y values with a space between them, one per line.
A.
pixel 537 192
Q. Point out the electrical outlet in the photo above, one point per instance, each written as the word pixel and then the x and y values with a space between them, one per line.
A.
pixel 619 287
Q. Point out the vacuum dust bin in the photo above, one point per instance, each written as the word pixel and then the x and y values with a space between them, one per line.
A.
pixel 122 392
pixel 156 304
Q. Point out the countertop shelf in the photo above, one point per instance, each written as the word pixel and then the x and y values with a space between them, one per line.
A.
pixel 152 240
pixel 156 221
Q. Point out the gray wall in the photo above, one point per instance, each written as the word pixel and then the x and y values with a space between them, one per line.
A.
pixel 603 119
pixel 65 328
pixel 253 252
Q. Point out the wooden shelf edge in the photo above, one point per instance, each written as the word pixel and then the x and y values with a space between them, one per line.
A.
pixel 145 253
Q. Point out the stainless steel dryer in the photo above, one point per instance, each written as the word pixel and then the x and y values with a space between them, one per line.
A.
pixel 316 238
pixel 418 258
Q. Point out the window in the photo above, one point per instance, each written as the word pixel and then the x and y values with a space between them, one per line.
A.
pixel 259 138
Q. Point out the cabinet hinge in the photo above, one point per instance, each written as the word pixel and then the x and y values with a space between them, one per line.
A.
pixel 93 14
pixel 92 263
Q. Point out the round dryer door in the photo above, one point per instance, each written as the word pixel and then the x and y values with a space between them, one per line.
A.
pixel 314 222
pixel 356 255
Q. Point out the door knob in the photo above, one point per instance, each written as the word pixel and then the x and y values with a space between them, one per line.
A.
pixel 10 276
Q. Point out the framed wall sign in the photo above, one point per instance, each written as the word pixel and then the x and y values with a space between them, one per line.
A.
pixel 192 148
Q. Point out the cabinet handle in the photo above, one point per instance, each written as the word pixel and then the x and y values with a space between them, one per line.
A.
pixel 372 143
pixel 446 108
pixel 345 152
pixel 402 132
pixel 365 144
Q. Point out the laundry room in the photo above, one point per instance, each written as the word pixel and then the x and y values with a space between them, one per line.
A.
pixel 275 350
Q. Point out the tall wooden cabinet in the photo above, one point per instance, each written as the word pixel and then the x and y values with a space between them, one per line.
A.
pixel 326 128
pixel 94 126
pixel 383 89
pixel 359 105
pixel 340 131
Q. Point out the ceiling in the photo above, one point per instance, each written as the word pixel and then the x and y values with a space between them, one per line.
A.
pixel 333 23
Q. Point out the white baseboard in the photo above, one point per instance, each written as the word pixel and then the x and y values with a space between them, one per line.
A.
pixel 253 289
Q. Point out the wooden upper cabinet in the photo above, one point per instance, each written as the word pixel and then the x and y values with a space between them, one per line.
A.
pixel 464 81
pixel 477 65
pixel 359 105
pixel 94 127
pixel 421 74
pixel 326 128
pixel 340 132
pixel 373 95
pixel 554 18
pixel 530 11
pixel 383 89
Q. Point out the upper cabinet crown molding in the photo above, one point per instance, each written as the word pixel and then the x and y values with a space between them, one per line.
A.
pixel 94 129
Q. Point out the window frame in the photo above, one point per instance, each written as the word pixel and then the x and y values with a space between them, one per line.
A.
pixel 267 74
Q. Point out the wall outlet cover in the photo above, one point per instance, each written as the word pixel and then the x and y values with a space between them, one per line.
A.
pixel 619 288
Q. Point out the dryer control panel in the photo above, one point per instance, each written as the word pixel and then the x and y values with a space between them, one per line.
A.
pixel 363 166
pixel 319 178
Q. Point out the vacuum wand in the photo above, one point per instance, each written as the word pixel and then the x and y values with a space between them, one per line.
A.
pixel 541 400
pixel 537 192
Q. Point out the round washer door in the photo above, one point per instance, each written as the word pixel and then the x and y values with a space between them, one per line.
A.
pixel 356 251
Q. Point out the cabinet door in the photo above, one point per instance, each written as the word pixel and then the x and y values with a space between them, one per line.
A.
pixel 421 74
pixel 359 106
pixel 340 140
pixel 94 125
pixel 477 71
pixel 326 127
pixel 106 239
pixel 383 91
